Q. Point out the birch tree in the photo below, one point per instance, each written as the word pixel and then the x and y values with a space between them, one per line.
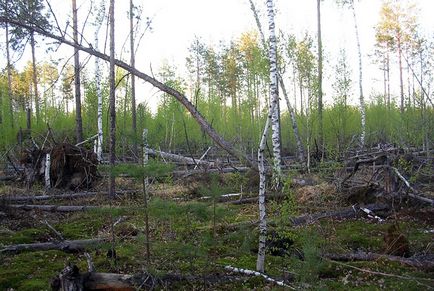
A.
pixel 99 18
pixel 77 85
pixel 300 150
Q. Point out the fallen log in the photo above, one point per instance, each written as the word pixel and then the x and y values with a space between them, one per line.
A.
pixel 178 158
pixel 254 199
pixel 66 246
pixel 187 173
pixel 71 195
pixel 52 208
pixel 70 279
pixel 349 212
pixel 7 178
pixel 425 261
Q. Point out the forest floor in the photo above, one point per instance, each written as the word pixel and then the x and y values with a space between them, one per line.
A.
pixel 196 237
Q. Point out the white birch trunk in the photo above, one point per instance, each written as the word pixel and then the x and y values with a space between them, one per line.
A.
pixel 362 99
pixel 262 191
pixel 145 151
pixel 98 23
pixel 281 83
pixel 274 94
pixel 47 171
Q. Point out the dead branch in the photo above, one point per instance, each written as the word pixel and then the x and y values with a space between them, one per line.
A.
pixel 425 262
pixel 52 208
pixel 63 196
pixel 349 212
pixel 178 158
pixel 258 274
pixel 66 246
pixel 414 196
pixel 254 199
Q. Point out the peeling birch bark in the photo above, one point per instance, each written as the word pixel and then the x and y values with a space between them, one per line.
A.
pixel 274 94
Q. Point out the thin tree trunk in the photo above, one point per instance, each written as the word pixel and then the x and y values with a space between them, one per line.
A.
pixel 133 82
pixel 300 150
pixel 35 76
pixel 98 22
pixel 274 94
pixel 112 147
pixel 78 120
pixel 99 96
pixel 205 126
pixel 145 193
pixel 8 60
pixel 320 103
pixel 401 82
pixel 361 98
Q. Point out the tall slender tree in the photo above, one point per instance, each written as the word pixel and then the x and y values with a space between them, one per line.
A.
pixel 8 64
pixel 98 22
pixel 320 67
pixel 133 80
pixel 112 105
pixel 77 83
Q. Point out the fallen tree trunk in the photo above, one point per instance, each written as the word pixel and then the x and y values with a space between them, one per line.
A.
pixel 425 262
pixel 52 208
pixel 66 246
pixel 63 196
pixel 254 199
pixel 178 158
pixel 223 170
pixel 349 212
pixel 206 127
pixel 70 279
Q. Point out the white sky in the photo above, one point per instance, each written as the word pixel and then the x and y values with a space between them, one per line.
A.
pixel 177 22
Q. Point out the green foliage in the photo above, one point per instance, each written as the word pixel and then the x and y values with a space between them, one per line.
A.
pixel 309 269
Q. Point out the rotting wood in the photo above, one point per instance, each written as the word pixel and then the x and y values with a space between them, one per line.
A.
pixel 187 173
pixel 70 279
pixel 63 196
pixel 178 158
pixel 254 199
pixel 52 208
pixel 422 261
pixel 66 246
pixel 349 212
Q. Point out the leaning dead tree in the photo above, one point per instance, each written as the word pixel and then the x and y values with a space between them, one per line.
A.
pixel 203 123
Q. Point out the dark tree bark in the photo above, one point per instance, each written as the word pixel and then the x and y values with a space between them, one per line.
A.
pixel 78 119
pixel 8 60
pixel 112 141
pixel 35 76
